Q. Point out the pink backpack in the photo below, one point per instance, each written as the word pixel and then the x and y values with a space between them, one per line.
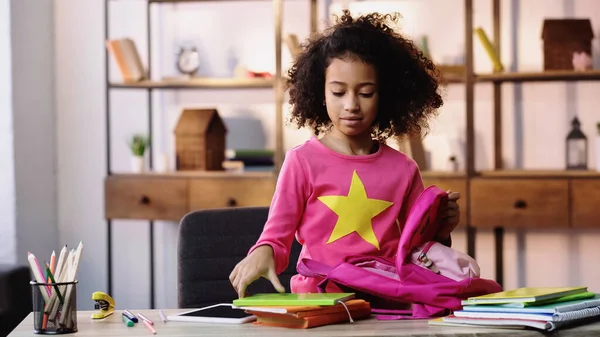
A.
pixel 427 278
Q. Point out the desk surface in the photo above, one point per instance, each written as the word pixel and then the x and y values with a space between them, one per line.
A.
pixel 114 326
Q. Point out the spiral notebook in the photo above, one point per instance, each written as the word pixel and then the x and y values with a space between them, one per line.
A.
pixel 512 323
pixel 543 317
pixel 505 323
pixel 553 317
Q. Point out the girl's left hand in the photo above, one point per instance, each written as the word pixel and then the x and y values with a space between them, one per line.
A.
pixel 449 215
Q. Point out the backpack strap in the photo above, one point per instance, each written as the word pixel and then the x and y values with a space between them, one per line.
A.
pixel 421 224
pixel 312 268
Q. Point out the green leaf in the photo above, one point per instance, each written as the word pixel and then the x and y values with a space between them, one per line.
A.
pixel 138 144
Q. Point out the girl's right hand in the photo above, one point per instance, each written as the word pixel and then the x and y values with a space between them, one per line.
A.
pixel 259 263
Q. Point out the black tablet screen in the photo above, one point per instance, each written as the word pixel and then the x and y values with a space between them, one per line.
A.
pixel 220 311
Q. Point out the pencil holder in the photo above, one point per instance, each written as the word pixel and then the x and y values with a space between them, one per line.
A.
pixel 54 307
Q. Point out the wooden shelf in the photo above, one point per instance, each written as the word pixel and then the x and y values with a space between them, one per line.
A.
pixel 174 1
pixel 424 174
pixel 538 174
pixel 541 76
pixel 453 78
pixel 197 174
pixel 442 174
pixel 200 83
pixel 452 73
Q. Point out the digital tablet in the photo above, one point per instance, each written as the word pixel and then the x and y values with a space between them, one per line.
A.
pixel 218 313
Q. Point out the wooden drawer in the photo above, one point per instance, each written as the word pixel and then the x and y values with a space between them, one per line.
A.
pixel 230 192
pixel 145 197
pixel 455 185
pixel 586 203
pixel 513 203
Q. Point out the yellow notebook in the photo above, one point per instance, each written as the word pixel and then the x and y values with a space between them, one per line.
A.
pixel 527 294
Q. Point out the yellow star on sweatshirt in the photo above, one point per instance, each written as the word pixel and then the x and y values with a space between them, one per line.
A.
pixel 355 212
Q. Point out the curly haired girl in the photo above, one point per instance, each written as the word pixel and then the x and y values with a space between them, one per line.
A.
pixel 347 192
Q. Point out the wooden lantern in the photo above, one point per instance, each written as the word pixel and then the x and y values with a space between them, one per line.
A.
pixel 577 148
pixel 562 38
pixel 200 140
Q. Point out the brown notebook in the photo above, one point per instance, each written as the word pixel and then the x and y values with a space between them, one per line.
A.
pixel 309 317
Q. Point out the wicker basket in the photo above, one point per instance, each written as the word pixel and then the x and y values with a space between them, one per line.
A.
pixel 562 38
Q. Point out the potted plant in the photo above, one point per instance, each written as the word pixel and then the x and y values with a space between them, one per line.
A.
pixel 138 145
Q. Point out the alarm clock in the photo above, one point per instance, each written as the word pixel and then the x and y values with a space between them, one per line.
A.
pixel 188 61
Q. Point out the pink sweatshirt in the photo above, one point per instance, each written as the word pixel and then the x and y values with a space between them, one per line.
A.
pixel 339 205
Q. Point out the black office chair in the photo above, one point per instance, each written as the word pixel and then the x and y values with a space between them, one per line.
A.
pixel 15 296
pixel 210 244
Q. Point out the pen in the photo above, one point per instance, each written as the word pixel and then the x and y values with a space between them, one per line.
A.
pixel 144 318
pixel 127 321
pixel 130 316
pixel 162 316
pixel 149 326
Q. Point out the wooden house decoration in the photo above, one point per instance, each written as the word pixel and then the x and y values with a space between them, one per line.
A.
pixel 200 140
pixel 562 38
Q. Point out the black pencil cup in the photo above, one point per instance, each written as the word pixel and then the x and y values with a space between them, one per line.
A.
pixel 54 307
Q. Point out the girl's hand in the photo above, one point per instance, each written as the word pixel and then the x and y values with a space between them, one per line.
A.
pixel 259 263
pixel 449 215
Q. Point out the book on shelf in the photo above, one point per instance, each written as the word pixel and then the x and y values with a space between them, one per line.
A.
pixel 489 49
pixel 255 160
pixel 125 54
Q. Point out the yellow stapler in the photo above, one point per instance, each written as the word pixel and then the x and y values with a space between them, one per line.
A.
pixel 105 303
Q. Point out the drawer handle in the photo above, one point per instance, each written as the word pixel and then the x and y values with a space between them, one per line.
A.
pixel 231 202
pixel 144 200
pixel 520 204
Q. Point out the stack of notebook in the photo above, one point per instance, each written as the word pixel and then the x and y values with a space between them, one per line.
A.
pixel 544 308
pixel 303 311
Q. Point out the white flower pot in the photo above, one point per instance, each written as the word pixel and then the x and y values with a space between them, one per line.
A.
pixel 137 164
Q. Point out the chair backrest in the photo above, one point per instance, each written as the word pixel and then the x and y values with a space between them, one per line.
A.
pixel 210 243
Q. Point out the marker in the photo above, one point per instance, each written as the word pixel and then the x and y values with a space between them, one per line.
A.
pixel 130 316
pixel 149 326
pixel 127 321
pixel 162 316
pixel 144 318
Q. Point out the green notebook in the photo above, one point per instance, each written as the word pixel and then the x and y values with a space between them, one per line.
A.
pixel 525 294
pixel 287 299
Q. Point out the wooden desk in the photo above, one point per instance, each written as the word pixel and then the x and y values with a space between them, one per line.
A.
pixel 114 326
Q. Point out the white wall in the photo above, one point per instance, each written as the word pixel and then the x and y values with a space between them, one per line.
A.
pixel 34 127
pixel 80 123
pixel 27 128
pixel 8 243
pixel 79 82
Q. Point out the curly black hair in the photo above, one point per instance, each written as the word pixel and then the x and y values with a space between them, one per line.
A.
pixel 408 81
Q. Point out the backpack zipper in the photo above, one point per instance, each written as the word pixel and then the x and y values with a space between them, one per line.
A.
pixel 424 259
